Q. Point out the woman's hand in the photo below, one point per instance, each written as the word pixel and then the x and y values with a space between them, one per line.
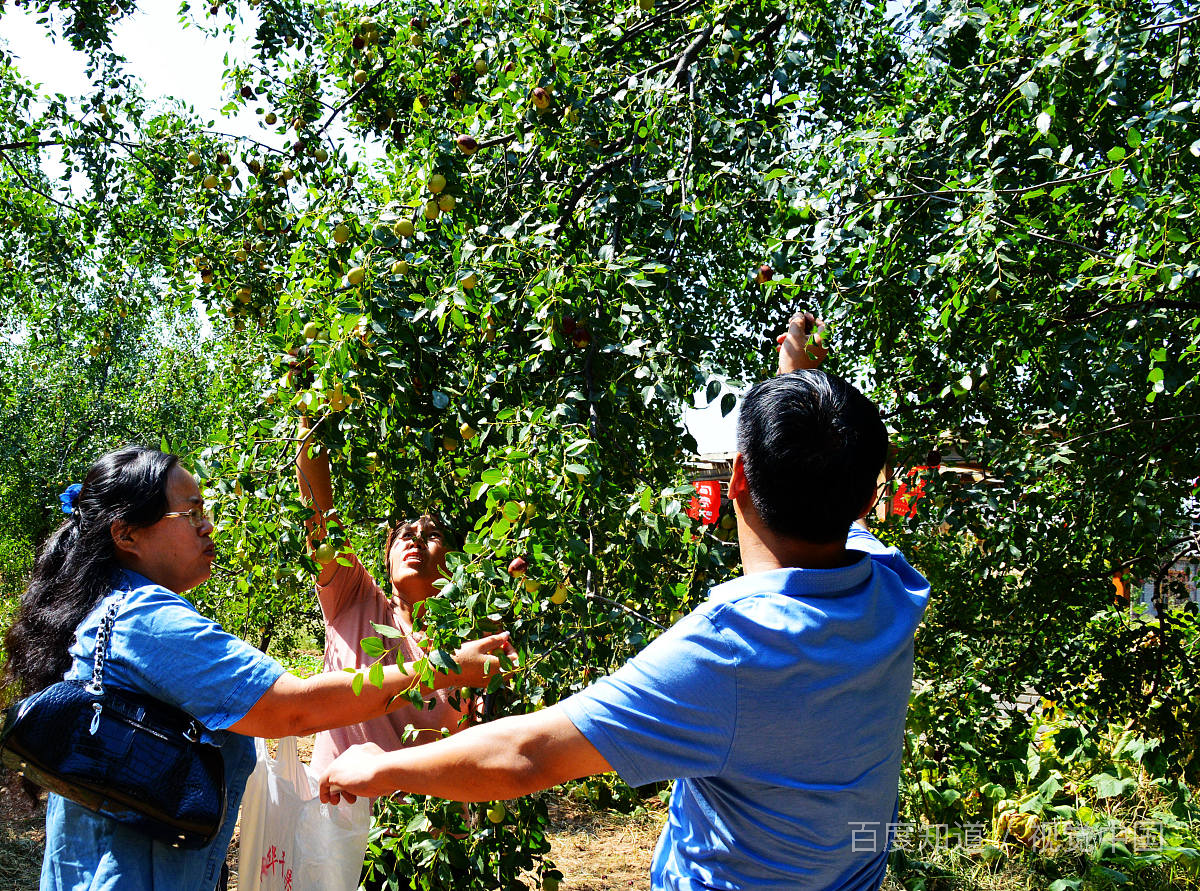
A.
pixel 480 659
pixel 299 706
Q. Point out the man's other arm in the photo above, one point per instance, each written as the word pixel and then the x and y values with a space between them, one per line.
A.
pixel 803 346
pixel 499 760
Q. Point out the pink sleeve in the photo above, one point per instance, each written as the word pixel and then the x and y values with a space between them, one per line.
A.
pixel 350 584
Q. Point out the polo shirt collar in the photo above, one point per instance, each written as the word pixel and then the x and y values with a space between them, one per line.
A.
pixel 798 582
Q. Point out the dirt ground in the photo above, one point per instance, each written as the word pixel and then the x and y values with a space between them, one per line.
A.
pixel 22 835
pixel 594 851
pixel 599 851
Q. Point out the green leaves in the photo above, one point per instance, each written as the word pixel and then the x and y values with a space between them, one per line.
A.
pixel 386 631
pixel 1109 786
pixel 993 207
pixel 372 646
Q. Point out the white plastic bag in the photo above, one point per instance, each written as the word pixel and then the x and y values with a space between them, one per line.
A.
pixel 289 840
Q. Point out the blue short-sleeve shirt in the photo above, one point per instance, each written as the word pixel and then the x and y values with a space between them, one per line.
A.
pixel 778 706
pixel 161 646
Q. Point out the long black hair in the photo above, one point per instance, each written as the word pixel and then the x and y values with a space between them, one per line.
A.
pixel 75 567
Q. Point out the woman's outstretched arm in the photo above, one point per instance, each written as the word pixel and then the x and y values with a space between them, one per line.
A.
pixel 299 706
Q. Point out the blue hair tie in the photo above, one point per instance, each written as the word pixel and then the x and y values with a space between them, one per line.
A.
pixel 70 498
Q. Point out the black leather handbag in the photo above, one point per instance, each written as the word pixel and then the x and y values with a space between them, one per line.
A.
pixel 119 753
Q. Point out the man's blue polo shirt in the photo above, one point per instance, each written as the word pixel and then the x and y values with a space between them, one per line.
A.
pixel 779 706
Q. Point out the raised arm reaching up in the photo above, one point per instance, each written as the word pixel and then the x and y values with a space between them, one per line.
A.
pixel 803 345
pixel 312 473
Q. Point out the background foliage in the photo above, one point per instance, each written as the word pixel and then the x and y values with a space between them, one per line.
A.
pixel 994 205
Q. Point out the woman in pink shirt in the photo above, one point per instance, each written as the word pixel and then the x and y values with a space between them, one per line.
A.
pixel 351 600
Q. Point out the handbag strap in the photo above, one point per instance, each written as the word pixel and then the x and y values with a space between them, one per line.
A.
pixel 96 685
pixel 103 635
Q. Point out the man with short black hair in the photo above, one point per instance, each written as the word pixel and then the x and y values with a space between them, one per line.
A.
pixel 777 705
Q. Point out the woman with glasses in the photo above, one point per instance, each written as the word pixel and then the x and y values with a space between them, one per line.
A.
pixel 137 532
pixel 352 602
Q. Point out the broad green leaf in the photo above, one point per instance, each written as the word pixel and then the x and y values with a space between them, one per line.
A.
pixel 443 661
pixel 1108 786
pixel 372 646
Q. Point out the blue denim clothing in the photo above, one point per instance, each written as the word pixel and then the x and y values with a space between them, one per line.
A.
pixel 161 646
pixel 778 706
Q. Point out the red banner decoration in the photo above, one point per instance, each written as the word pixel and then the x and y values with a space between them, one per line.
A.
pixel 910 491
pixel 707 503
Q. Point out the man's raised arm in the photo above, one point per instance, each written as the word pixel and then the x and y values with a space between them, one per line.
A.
pixel 803 346
pixel 499 760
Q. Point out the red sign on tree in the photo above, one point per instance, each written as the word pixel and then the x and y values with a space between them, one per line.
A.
pixel 910 491
pixel 707 503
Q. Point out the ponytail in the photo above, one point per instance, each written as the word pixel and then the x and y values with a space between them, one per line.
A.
pixel 74 569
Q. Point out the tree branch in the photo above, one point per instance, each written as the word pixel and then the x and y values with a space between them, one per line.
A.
pixel 626 82
pixel 594 174
pixel 654 21
pixel 689 56
pixel 1177 23
pixel 375 75
pixel 9 146
pixel 1073 244
pixel 769 30
pixel 592 595
pixel 21 176
pixel 1128 424
pixel 947 193
pixel 687 160
pixel 1153 302
pixel 250 139
pixel 498 140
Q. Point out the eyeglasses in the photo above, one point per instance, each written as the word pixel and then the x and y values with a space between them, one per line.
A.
pixel 197 516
